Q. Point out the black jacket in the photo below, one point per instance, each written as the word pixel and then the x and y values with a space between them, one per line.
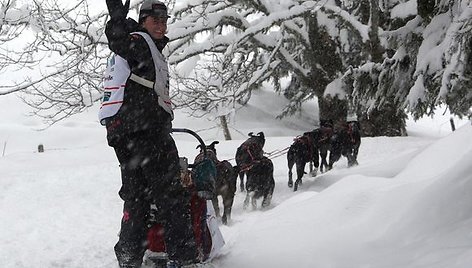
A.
pixel 140 111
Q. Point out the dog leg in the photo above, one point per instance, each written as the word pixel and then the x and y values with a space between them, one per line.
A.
pixel 295 187
pixel 214 201
pixel 249 195
pixel 314 172
pixel 266 200
pixel 241 177
pixel 290 181
pixel 227 203
pixel 300 172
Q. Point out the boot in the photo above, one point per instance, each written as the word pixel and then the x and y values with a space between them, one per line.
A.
pixel 155 259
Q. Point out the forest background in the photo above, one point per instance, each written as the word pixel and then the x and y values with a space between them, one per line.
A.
pixel 376 60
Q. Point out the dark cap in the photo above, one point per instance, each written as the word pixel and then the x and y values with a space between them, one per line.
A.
pixel 153 8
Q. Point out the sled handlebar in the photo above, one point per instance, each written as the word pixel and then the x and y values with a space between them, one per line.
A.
pixel 193 133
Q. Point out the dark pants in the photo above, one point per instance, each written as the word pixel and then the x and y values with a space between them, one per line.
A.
pixel 149 172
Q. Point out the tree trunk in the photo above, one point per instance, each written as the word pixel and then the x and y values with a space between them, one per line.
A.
pixel 332 109
pixel 325 67
pixel 375 47
pixel 425 8
pixel 224 126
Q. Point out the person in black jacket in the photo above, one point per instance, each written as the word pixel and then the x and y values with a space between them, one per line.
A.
pixel 139 131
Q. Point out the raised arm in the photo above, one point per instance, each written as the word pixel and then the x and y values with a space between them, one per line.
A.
pixel 118 27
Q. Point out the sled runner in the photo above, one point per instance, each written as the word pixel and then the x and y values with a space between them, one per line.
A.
pixel 199 179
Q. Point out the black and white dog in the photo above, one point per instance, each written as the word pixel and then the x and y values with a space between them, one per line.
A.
pixel 260 182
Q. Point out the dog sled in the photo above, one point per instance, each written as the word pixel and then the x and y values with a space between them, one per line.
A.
pixel 199 179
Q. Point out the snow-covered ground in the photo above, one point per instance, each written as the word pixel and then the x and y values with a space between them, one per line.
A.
pixel 408 203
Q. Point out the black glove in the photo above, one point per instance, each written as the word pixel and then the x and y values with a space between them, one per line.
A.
pixel 117 10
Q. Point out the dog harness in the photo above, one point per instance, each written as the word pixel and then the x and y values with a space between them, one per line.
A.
pixel 118 72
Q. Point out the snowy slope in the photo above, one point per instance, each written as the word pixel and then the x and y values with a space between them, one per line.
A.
pixel 407 204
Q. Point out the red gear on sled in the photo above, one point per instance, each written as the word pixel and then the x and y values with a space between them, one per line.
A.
pixel 198 210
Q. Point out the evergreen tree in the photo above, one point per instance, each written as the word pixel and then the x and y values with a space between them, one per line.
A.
pixel 425 63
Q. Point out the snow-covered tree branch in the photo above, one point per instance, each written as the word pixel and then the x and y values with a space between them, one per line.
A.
pixel 64 49
pixel 399 54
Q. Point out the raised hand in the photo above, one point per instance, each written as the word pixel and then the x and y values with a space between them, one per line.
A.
pixel 117 10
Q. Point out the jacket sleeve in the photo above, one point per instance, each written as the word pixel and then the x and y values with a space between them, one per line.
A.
pixel 118 35
pixel 132 48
